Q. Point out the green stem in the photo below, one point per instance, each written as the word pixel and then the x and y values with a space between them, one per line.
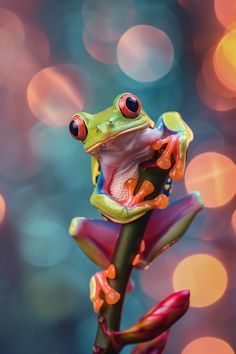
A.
pixel 126 249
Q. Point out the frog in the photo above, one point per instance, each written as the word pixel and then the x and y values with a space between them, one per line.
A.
pixel 120 139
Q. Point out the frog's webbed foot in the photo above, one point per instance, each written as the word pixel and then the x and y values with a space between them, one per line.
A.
pixel 175 145
pixel 137 200
pixel 99 284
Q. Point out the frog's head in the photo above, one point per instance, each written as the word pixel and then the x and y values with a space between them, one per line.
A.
pixel 125 115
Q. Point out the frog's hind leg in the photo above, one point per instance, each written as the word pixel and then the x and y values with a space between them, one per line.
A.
pixel 96 238
pixel 166 226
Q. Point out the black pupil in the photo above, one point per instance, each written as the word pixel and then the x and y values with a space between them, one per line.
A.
pixel 74 128
pixel 132 104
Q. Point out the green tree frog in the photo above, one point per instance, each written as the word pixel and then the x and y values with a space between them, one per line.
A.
pixel 119 139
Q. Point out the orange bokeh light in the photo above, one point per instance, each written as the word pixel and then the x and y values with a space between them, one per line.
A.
pixel 233 221
pixel 225 11
pixel 207 345
pixel 213 175
pixel 211 90
pixel 225 60
pixel 212 99
pixel 212 80
pixel 2 208
pixel 56 93
pixel 205 277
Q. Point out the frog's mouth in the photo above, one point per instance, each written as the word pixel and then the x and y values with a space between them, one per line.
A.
pixel 94 149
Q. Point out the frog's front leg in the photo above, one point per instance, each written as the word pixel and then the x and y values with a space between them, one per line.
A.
pixel 176 136
pixel 133 207
pixel 117 211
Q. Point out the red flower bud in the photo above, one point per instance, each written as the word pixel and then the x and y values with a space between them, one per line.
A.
pixel 155 346
pixel 155 322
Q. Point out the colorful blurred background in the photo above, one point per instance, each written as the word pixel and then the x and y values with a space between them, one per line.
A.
pixel 58 57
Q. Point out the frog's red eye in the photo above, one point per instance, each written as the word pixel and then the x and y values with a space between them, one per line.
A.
pixel 130 106
pixel 78 128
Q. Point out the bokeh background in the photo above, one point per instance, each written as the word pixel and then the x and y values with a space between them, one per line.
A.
pixel 59 57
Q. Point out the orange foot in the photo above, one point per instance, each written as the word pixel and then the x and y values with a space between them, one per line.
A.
pixel 175 146
pixel 137 200
pixel 98 284
pixel 137 258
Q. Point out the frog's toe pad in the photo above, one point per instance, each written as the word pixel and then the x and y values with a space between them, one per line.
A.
pixel 112 297
pixel 99 284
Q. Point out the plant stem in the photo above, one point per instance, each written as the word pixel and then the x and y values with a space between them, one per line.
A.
pixel 127 247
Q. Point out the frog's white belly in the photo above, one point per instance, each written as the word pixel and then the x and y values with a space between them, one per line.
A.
pixel 117 186
pixel 123 156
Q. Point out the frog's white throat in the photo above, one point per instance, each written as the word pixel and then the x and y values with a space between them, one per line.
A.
pixel 120 159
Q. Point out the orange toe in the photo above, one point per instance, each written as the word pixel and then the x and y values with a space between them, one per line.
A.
pixel 99 286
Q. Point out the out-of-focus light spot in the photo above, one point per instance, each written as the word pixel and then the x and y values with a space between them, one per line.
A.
pixel 212 99
pixel 107 20
pixel 56 93
pixel 34 55
pixel 213 175
pixel 206 345
pixel 145 53
pixel 2 208
pixel 233 221
pixel 44 243
pixel 102 51
pixel 225 11
pixel 211 78
pixel 205 277
pixel 11 38
pixel 211 90
pixel 160 15
pixel 225 60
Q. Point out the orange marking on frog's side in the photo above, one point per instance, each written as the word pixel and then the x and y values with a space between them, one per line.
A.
pixel 99 284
